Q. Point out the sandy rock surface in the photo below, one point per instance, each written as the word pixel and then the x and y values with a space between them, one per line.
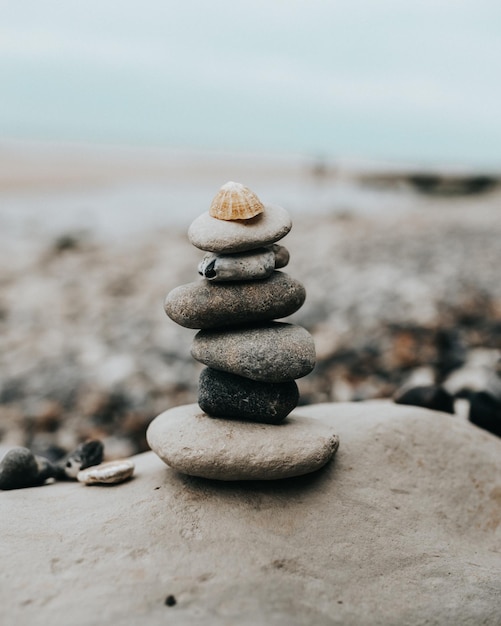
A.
pixel 402 528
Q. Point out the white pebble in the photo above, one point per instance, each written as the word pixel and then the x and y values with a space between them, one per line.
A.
pixel 109 473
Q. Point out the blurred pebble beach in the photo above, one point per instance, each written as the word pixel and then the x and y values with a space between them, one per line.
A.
pixel 401 269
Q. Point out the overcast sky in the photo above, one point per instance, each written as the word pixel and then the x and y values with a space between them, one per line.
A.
pixel 416 80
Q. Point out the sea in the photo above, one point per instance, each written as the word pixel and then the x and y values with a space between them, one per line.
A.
pixel 293 98
pixel 411 81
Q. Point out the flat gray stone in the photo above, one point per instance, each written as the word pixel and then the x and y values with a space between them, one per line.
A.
pixel 402 528
pixel 221 394
pixel 273 352
pixel 204 304
pixel 251 265
pixel 191 442
pixel 213 235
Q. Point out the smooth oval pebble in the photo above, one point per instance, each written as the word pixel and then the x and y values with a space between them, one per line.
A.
pixel 273 352
pixel 213 235
pixel 190 442
pixel 204 304
pixel 225 395
pixel 251 265
pixel 109 473
pixel 19 469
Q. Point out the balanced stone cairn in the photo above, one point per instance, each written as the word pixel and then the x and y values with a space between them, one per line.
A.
pixel 238 430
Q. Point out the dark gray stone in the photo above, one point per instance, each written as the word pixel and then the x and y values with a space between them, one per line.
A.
pixel 85 455
pixel 218 305
pixel 19 468
pixel 233 397
pixel 485 412
pixel 273 352
pixel 431 397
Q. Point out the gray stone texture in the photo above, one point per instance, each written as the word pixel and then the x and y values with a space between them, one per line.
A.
pixel 204 304
pixel 401 528
pixel 233 397
pixel 273 352
pixel 251 265
pixel 20 468
pixel 192 443
pixel 214 235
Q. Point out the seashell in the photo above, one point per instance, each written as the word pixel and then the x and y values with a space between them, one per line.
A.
pixel 109 473
pixel 235 202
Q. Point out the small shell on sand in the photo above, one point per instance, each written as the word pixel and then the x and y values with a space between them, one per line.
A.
pixel 109 473
pixel 235 202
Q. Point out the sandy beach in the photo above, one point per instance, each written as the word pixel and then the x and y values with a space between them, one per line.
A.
pixel 92 240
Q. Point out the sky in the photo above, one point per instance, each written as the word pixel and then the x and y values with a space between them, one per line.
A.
pixel 379 79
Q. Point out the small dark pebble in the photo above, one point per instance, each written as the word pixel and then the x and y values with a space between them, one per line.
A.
pixel 85 455
pixel 233 397
pixel 485 412
pixel 170 601
pixel 67 241
pixel 20 468
pixel 431 397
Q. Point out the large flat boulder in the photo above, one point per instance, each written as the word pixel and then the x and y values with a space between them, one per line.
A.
pixel 402 527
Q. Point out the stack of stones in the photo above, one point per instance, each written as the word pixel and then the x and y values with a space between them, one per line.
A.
pixel 252 360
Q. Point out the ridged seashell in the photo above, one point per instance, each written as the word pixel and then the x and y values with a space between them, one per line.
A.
pixel 235 202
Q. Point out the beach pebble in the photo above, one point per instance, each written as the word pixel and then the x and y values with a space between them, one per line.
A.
pixel 214 235
pixel 109 473
pixel 226 395
pixel 281 255
pixel 204 304
pixel 273 352
pixel 85 455
pixel 188 441
pixel 251 265
pixel 485 412
pixel 431 397
pixel 20 468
